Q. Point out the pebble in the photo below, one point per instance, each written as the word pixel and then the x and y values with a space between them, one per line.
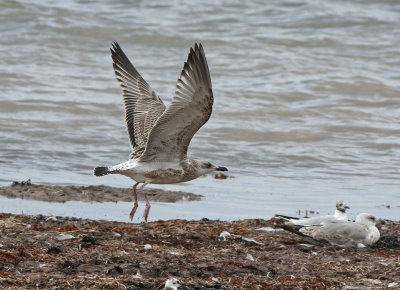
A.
pixel 116 234
pixel 138 275
pixel 63 237
pixel 250 257
pixel 175 253
pixel 269 229
pixel 251 240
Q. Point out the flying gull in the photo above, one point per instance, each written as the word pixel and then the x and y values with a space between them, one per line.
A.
pixel 160 136
pixel 340 214
pixel 362 232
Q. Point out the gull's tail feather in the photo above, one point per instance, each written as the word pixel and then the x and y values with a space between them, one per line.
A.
pixel 101 170
pixel 281 222
pixel 286 217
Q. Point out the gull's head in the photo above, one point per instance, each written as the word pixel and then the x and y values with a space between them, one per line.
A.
pixel 172 284
pixel 366 219
pixel 342 206
pixel 204 167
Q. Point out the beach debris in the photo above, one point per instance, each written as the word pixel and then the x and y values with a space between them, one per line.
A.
pixel 269 229
pixel 172 284
pixel 137 275
pixel 88 241
pixel 113 263
pixel 51 218
pixel 393 284
pixel 306 245
pixel 216 284
pixel 250 257
pixel 118 235
pixel 223 235
pixel 147 247
pixel 220 175
pixel 22 183
pixel 250 240
pixel 54 250
pixel 64 237
pixel 123 253
pixel 175 253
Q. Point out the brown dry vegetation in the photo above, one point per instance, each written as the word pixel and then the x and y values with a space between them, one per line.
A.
pixel 71 253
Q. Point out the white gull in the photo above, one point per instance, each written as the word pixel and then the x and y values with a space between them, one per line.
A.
pixel 172 284
pixel 340 214
pixel 160 136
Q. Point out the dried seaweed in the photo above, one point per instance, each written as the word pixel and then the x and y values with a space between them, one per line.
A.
pixel 112 255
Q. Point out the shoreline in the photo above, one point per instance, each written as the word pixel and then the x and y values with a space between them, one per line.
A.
pixel 67 252
pixel 91 193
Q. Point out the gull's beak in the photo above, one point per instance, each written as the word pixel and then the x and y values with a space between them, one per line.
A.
pixel 220 168
pixel 346 207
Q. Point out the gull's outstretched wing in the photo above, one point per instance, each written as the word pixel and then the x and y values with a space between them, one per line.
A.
pixel 189 110
pixel 142 106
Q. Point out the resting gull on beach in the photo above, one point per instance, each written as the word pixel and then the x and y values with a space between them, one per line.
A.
pixel 160 136
pixel 362 232
pixel 172 284
pixel 340 214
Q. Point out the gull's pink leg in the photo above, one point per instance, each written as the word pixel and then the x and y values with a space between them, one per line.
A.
pixel 147 209
pixel 135 206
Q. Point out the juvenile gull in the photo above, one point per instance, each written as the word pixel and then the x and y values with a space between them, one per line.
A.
pixel 340 214
pixel 160 136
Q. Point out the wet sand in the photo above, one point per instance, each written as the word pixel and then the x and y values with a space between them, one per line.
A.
pixel 70 253
pixel 99 193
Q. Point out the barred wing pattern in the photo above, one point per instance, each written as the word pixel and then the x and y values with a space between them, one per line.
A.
pixel 190 109
pixel 142 106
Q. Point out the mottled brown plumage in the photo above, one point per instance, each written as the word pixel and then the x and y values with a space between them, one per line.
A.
pixel 142 105
pixel 160 136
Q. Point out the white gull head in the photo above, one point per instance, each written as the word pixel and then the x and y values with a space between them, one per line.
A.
pixel 366 219
pixel 340 211
pixel 172 284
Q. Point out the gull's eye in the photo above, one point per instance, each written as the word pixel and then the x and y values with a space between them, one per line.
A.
pixel 208 165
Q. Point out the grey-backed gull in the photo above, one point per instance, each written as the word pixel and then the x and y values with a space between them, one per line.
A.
pixel 340 214
pixel 362 232
pixel 172 284
pixel 160 136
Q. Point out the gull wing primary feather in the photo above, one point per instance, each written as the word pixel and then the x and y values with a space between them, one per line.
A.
pixel 142 105
pixel 190 109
